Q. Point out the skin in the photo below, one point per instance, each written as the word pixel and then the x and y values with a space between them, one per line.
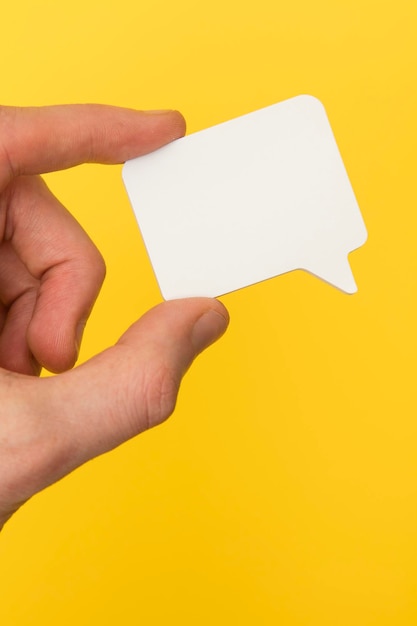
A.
pixel 50 276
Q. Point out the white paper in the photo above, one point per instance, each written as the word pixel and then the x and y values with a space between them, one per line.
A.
pixel 247 200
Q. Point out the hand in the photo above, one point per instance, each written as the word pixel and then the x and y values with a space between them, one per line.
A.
pixel 50 275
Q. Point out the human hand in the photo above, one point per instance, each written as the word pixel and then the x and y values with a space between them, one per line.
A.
pixel 50 275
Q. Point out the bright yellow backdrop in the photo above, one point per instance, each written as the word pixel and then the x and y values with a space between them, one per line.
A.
pixel 284 490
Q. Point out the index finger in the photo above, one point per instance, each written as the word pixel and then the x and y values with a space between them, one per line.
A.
pixel 39 140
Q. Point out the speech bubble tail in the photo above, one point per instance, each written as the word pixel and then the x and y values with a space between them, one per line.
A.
pixel 337 272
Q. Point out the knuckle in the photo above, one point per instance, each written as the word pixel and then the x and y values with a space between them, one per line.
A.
pixel 89 264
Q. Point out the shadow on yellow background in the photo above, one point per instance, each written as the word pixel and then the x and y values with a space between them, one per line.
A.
pixel 284 489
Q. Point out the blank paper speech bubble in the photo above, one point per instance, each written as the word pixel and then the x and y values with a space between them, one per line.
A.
pixel 247 200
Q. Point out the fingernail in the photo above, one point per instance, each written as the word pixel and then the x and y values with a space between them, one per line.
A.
pixel 207 329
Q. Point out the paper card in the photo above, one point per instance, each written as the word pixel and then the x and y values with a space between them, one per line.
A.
pixel 247 200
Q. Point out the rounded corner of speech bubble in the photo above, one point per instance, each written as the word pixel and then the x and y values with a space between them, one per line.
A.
pixel 310 100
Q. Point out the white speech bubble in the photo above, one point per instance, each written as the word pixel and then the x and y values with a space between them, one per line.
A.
pixel 247 200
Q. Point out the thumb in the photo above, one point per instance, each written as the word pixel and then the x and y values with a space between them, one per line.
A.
pixel 133 385
pixel 50 426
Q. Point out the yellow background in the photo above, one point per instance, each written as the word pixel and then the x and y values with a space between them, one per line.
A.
pixel 284 489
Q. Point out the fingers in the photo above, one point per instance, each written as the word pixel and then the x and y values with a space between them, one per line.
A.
pixel 66 268
pixel 133 386
pixel 38 140
pixel 53 248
